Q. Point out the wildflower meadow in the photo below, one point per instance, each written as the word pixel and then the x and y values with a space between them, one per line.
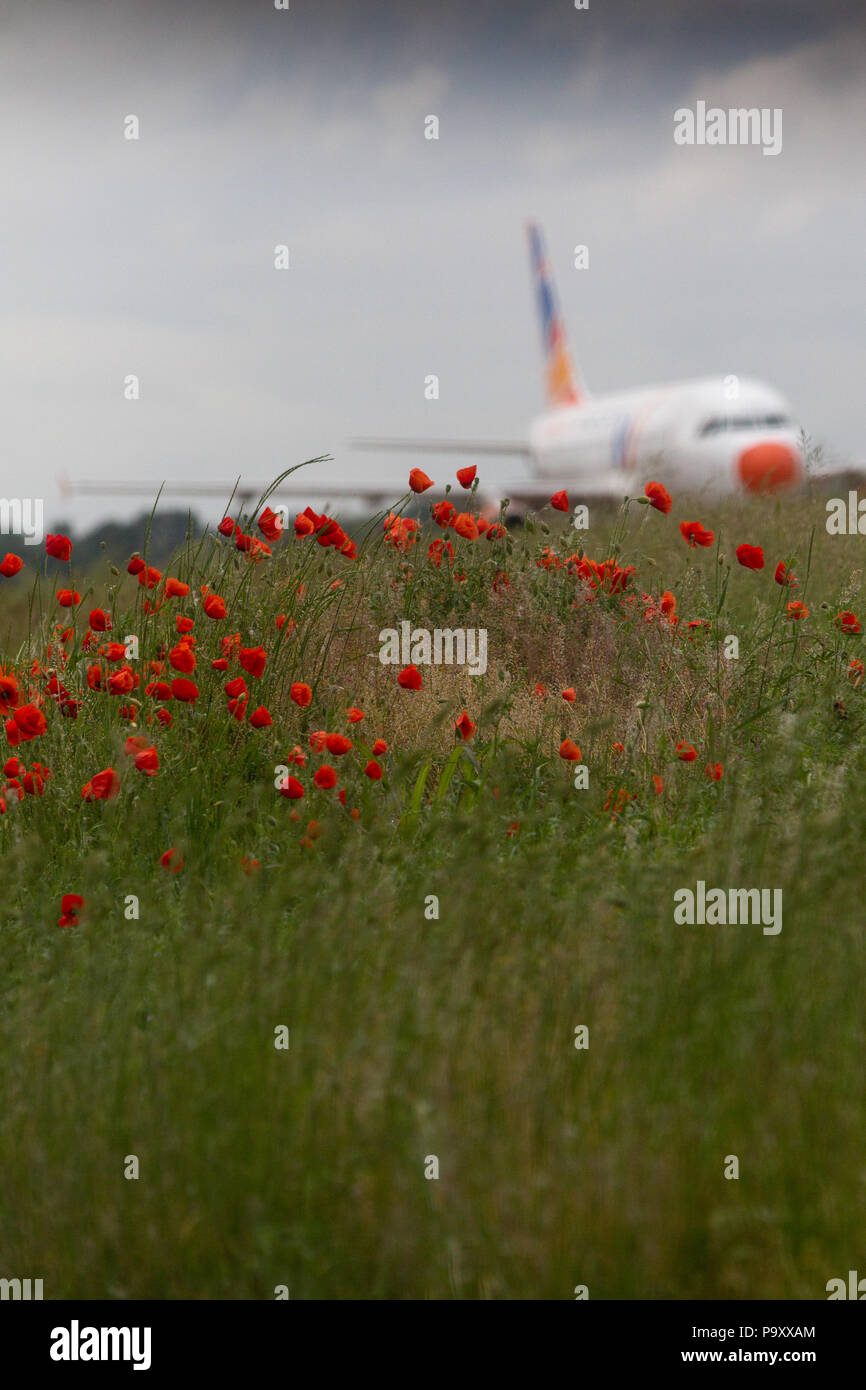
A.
pixel 342 952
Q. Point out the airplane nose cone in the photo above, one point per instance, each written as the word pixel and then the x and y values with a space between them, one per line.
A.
pixel 769 467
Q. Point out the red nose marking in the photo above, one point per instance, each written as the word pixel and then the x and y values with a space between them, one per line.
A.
pixel 769 467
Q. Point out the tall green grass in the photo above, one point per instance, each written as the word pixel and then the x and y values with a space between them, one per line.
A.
pixel 412 1035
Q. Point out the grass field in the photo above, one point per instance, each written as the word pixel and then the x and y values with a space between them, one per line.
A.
pixel 412 1035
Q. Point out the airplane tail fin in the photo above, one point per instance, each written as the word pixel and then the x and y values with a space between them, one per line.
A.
pixel 562 385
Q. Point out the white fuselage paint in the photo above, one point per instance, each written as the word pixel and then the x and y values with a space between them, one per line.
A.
pixel 690 435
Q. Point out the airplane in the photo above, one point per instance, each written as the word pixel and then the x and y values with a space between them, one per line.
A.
pixel 711 436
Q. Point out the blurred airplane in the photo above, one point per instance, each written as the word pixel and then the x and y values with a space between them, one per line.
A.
pixel 712 435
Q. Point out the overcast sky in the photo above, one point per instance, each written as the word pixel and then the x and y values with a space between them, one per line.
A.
pixel 408 256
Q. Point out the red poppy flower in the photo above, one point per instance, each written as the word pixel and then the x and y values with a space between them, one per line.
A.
pixel 338 744
pixel 373 771
pixel 751 556
pixel 58 547
pixel 291 788
pixel 325 777
pixel 465 726
pixel 270 524
pixel 304 525
pixel 99 620
pixel 465 526
pixel 617 748
pixel 694 534
pixel 331 533
pixel 569 751
pixel 318 738
pixel 136 564
pixel 70 910
pixel 714 771
pixel 134 744
pixel 214 607
pixel 410 678
pixel 570 695
pixel 659 497
pixel 13 733
pixel 13 767
pixel 10 565
pixel 847 622
pixel 236 687
pixel 418 480
pixel 559 501
pixel 443 513
pixel 160 690
pixel 121 682
pixel 182 658
pixel 354 715
pixel 8 693
pixel 175 588
pixel 855 672
pixel 184 690
pixel 172 861
pixel 260 718
pixel 784 576
pixel 686 753
pixel 30 720
pixel 301 694
pixel 253 660
pixel 658 784
pixel 163 718
pixel 227 526
pixel 238 708
pixel 466 476
pixel 102 787
pixel 147 762
pixel 797 611
pixel 400 531
pixel 437 549
pixel 380 746
pixel 149 576
pixel 67 598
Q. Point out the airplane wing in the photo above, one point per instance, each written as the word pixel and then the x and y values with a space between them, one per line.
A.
pixel 446 446
pixel 241 492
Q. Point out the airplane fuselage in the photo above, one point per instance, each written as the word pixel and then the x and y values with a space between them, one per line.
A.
pixel 714 435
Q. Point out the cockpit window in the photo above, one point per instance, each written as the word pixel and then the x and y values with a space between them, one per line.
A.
pixel 721 423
